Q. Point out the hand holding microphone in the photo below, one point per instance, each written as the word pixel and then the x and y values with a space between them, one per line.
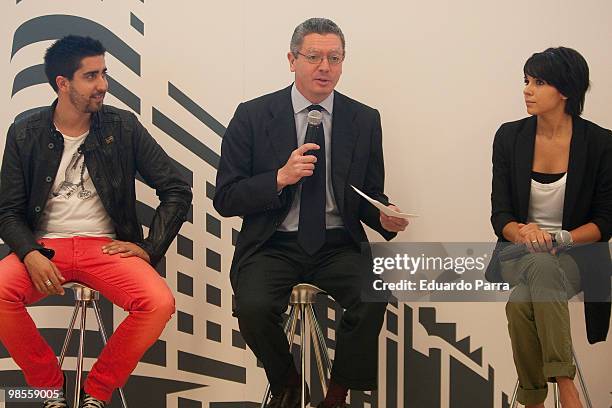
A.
pixel 533 239
pixel 536 239
pixel 300 164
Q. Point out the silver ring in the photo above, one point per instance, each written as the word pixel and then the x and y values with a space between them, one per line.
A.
pixel 48 282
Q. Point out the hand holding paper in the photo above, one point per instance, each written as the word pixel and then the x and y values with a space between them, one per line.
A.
pixel 393 224
pixel 391 218
pixel 391 211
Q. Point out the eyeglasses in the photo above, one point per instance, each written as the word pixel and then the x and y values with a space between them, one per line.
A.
pixel 314 58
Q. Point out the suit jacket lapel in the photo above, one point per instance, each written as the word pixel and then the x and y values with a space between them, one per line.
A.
pixel 343 141
pixel 575 168
pixel 525 145
pixel 281 127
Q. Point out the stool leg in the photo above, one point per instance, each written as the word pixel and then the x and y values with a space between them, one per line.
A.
pixel 289 322
pixel 322 343
pixel 583 386
pixel 513 402
pixel 69 334
pixel 79 371
pixel 317 348
pixel 266 397
pixel 556 395
pixel 104 341
pixel 303 352
pixel 293 326
pixel 289 330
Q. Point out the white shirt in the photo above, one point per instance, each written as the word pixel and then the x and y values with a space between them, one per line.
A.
pixel 74 207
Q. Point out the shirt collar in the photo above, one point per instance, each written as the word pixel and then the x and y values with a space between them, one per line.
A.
pixel 300 102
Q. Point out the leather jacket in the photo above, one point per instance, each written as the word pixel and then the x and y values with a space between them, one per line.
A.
pixel 116 149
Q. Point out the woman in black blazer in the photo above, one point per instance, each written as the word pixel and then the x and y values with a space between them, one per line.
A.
pixel 552 172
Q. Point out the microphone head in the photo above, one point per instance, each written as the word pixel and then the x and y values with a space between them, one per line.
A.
pixel 315 117
pixel 563 238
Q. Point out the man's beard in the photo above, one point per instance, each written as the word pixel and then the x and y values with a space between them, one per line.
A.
pixel 83 104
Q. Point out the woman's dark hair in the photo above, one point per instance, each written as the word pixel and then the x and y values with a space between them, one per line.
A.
pixel 565 69
pixel 64 57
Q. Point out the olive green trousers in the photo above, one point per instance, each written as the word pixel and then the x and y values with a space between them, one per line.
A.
pixel 539 321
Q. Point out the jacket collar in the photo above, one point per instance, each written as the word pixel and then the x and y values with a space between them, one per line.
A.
pixel 46 117
pixel 91 142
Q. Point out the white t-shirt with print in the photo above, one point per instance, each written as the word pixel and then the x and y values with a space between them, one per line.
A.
pixel 74 207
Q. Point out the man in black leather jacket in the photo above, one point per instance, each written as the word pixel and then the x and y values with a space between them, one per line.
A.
pixel 67 211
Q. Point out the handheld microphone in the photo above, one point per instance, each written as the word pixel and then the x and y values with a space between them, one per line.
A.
pixel 314 120
pixel 560 240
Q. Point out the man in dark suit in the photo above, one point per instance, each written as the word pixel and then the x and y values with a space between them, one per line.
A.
pixel 302 219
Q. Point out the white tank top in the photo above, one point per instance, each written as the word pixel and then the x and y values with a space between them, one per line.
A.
pixel 546 204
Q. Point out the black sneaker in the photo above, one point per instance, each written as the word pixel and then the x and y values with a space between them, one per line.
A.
pixel 57 402
pixel 87 401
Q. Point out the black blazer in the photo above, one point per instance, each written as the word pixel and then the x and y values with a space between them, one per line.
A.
pixel 588 198
pixel 259 140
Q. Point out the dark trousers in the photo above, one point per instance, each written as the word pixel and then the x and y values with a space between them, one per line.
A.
pixel 262 291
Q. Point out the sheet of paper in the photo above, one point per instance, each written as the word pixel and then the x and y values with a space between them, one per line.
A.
pixel 383 208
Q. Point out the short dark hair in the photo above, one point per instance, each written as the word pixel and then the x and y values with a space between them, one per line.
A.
pixel 315 25
pixel 64 57
pixel 565 69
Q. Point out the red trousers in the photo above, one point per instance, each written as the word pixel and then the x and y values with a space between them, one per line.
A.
pixel 130 283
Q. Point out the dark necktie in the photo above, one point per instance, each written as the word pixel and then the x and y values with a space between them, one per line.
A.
pixel 311 229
